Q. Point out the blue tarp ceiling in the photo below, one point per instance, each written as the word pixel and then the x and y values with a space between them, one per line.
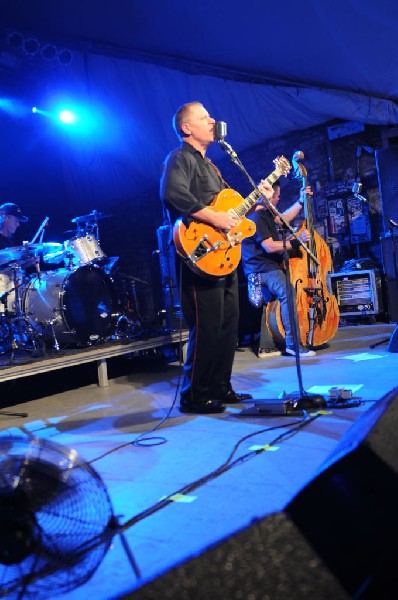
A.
pixel 266 68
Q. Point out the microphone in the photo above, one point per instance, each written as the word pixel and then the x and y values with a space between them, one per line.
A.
pixel 220 131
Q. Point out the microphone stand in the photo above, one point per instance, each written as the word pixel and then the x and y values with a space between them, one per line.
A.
pixel 294 403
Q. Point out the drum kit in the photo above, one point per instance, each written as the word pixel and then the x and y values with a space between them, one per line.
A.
pixel 76 305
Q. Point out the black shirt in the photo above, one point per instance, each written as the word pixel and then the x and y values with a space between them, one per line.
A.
pixel 6 242
pixel 189 182
pixel 254 258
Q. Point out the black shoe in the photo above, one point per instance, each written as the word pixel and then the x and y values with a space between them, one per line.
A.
pixel 201 407
pixel 268 352
pixel 232 397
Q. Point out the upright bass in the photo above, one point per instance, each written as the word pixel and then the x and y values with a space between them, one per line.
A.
pixel 317 309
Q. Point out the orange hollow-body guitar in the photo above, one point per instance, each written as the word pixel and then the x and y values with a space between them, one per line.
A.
pixel 212 252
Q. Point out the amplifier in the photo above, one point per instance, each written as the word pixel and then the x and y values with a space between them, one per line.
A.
pixel 358 293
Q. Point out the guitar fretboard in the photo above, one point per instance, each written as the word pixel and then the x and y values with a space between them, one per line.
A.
pixel 252 198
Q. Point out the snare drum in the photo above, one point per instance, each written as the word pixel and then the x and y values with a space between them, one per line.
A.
pixel 84 250
pixel 81 306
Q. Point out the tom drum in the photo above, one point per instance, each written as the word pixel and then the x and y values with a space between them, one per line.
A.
pixel 84 250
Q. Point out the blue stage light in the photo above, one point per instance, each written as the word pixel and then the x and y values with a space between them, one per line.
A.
pixel 67 117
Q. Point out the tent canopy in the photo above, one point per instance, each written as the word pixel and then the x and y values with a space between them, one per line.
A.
pixel 264 68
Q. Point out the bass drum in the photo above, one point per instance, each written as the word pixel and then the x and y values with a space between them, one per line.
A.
pixel 73 308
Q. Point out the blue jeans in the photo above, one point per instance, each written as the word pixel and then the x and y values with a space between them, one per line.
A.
pixel 274 282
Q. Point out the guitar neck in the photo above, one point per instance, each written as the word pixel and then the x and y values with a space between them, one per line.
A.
pixel 255 195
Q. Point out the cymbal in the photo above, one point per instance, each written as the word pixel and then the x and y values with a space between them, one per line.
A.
pixel 93 216
pixel 51 247
pixel 12 254
pixel 53 252
pixel 22 253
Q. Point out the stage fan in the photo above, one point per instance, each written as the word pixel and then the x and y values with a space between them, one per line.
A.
pixel 56 519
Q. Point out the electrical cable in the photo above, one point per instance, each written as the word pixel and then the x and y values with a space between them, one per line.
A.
pixel 143 439
pixel 226 466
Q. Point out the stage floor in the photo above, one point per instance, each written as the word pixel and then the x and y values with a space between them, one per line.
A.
pixel 195 480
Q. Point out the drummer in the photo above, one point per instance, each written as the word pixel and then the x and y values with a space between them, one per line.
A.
pixel 11 217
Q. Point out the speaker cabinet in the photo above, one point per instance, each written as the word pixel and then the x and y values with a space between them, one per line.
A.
pixel 389 251
pixel 337 539
pixel 387 170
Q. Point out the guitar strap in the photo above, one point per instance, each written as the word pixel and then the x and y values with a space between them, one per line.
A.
pixel 217 170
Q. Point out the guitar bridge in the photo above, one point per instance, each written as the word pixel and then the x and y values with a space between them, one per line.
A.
pixel 202 249
pixel 235 238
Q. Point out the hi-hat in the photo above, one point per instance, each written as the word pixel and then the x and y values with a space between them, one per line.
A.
pixel 93 216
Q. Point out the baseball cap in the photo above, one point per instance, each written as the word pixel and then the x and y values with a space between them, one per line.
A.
pixel 9 208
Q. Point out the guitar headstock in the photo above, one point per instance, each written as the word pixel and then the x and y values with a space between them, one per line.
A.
pixel 282 165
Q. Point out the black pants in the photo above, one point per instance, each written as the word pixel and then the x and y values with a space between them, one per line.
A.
pixel 211 311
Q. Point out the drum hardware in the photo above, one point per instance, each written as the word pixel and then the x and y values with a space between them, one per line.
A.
pixel 21 335
pixel 108 263
pixel 56 345
pixel 126 330
pixel 130 306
